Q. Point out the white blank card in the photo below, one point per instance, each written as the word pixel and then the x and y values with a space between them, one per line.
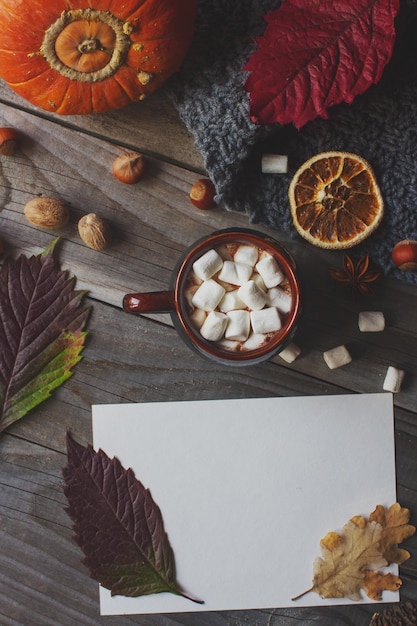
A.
pixel 247 488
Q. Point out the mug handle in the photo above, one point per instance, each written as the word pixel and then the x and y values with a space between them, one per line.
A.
pixel 151 302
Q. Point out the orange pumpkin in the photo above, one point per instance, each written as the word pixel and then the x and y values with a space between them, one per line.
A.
pixel 85 56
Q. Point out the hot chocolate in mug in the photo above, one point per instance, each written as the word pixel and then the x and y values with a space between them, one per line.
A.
pixel 235 297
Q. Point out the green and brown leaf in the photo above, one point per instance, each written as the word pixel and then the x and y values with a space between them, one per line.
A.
pixel 118 525
pixel 41 332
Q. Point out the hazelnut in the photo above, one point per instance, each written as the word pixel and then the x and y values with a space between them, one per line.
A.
pixel 404 255
pixel 94 231
pixel 8 141
pixel 129 168
pixel 48 213
pixel 202 193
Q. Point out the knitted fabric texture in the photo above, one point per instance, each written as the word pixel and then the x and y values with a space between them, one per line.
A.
pixel 380 125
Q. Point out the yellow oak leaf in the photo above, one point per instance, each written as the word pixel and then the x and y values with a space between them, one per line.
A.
pixel 350 559
pixel 375 583
pixel 395 530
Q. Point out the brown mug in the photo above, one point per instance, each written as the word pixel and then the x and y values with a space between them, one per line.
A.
pixel 176 302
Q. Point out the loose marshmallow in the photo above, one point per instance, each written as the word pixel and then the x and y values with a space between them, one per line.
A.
pixel 208 295
pixel 214 326
pixel 337 357
pixel 274 164
pixel 246 254
pixel 207 265
pixel 280 299
pixel 290 353
pixel 235 273
pixel 254 341
pixel 371 321
pixel 265 321
pixel 231 302
pixel 238 327
pixel 270 271
pixel 252 295
pixel 393 379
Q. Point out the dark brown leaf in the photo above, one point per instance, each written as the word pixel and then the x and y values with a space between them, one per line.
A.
pixel 118 525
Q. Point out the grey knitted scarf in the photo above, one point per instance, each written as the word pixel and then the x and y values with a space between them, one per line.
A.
pixel 380 125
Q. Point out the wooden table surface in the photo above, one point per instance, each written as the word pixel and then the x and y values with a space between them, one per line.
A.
pixel 142 359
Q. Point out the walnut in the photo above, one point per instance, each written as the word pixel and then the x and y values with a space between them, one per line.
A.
pixel 94 231
pixel 47 213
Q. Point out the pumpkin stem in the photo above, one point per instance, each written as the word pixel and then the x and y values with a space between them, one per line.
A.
pixel 89 45
pixel 86 45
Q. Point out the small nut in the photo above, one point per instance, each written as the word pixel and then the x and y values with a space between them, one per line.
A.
pixel 202 193
pixel 48 213
pixel 404 255
pixel 129 168
pixel 8 141
pixel 94 231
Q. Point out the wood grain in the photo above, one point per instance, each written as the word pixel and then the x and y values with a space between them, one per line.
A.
pixel 138 359
pixel 151 126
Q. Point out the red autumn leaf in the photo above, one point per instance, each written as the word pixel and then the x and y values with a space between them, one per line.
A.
pixel 118 525
pixel 318 53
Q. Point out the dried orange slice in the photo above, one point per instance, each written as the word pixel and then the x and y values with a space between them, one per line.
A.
pixel 335 200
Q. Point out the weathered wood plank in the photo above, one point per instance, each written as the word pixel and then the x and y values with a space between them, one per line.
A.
pixel 42 578
pixel 149 240
pixel 130 359
pixel 42 574
pixel 152 126
pixel 75 167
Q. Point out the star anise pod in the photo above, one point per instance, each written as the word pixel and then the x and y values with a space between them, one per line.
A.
pixel 356 276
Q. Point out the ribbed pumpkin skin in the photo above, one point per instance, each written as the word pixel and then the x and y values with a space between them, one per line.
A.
pixel 156 36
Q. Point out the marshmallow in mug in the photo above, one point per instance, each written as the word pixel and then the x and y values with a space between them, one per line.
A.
pixel 238 326
pixel 265 321
pixel 280 299
pixel 270 271
pixel 254 341
pixel 246 254
pixel 214 326
pixel 252 295
pixel 239 296
pixel 231 302
pixel 235 273
pixel 208 295
pixel 207 265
